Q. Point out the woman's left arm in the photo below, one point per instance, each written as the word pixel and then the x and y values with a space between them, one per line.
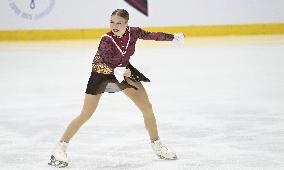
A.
pixel 157 36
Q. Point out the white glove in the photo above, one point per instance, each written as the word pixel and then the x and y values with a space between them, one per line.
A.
pixel 178 39
pixel 119 73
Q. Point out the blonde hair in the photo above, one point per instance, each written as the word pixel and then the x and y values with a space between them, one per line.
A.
pixel 122 13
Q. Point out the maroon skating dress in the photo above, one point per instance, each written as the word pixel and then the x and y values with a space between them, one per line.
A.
pixel 115 52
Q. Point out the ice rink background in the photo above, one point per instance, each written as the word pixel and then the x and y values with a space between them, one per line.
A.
pixel 218 103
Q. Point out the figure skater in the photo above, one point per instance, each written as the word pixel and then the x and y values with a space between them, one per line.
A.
pixel 112 72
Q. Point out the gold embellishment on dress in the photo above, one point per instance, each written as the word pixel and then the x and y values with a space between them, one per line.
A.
pixel 100 67
pixel 97 57
pixel 104 69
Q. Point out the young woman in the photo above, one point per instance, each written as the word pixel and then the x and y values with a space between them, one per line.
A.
pixel 112 72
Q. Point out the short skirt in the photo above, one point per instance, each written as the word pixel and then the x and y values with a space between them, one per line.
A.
pixel 99 83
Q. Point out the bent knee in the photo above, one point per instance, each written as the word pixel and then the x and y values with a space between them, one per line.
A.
pixel 85 115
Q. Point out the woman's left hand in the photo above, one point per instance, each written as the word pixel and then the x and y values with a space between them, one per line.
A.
pixel 178 39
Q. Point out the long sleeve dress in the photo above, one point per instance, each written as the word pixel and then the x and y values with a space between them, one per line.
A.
pixel 116 52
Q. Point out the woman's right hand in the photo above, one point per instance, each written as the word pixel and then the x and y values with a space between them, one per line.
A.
pixel 120 72
pixel 127 72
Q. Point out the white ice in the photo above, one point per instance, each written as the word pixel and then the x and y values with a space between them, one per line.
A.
pixel 219 103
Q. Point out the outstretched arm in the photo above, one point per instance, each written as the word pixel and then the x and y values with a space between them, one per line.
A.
pixel 157 36
pixel 178 38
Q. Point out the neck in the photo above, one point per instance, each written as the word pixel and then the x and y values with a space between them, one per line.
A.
pixel 121 35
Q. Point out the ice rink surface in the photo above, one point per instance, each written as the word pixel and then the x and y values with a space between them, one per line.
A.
pixel 219 103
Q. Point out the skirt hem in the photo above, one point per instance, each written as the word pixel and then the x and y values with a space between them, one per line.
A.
pixel 100 83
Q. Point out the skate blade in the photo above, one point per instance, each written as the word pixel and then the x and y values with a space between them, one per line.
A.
pixel 162 157
pixel 55 163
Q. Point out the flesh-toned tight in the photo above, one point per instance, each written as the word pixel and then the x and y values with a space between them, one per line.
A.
pixel 139 97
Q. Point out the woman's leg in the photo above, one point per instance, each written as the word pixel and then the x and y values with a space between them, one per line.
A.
pixel 141 100
pixel 89 107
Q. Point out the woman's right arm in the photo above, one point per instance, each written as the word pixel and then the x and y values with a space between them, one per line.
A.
pixel 102 58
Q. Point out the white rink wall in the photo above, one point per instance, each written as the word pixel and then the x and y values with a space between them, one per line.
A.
pixel 66 14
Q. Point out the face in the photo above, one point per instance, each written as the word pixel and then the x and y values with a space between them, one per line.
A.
pixel 118 25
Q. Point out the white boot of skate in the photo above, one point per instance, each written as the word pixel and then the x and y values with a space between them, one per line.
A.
pixel 162 151
pixel 59 156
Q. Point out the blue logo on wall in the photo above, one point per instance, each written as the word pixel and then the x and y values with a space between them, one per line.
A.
pixel 31 9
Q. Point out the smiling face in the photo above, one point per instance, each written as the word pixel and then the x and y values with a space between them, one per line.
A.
pixel 118 25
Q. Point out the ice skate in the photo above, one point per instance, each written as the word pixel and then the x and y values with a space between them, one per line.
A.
pixel 162 151
pixel 59 157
